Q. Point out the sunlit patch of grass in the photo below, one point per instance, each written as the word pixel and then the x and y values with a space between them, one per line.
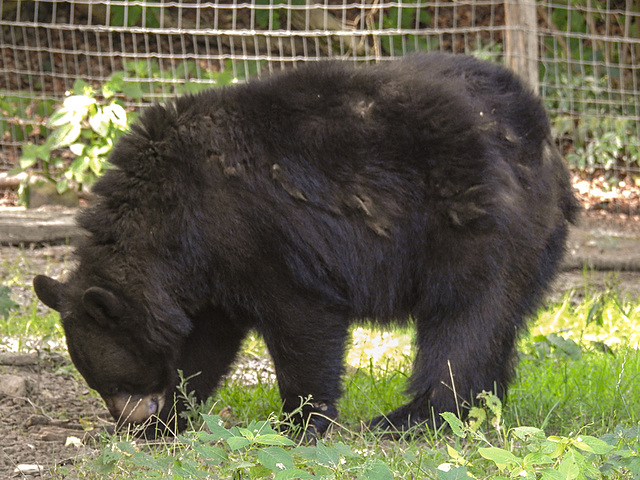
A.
pixel 601 317
pixel 372 346
pixel 30 330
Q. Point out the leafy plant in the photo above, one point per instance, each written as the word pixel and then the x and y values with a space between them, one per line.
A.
pixel 19 115
pixel 602 143
pixel 89 125
pixel 526 452
pixel 255 451
pixel 6 304
pixel 84 129
pixel 602 137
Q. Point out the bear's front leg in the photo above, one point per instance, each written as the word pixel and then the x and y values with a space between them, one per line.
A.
pixel 204 358
pixel 309 360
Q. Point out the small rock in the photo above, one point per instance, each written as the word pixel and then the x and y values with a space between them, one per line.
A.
pixel 26 469
pixel 13 386
pixel 73 440
pixel 34 420
pixel 51 434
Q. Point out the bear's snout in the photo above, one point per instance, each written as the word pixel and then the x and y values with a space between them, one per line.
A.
pixel 125 408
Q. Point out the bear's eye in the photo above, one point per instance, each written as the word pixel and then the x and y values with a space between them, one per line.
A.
pixel 109 392
pixel 129 388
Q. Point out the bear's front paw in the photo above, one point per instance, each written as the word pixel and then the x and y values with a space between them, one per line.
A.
pixel 309 422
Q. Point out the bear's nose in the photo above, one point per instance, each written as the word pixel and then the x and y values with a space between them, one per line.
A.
pixel 125 408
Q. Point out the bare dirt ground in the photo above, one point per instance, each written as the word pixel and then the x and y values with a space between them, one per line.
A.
pixel 46 413
pixel 48 416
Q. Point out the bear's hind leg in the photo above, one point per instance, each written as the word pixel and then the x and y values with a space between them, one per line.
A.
pixel 458 356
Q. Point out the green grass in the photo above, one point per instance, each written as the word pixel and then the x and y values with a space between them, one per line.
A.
pixel 573 412
pixel 24 325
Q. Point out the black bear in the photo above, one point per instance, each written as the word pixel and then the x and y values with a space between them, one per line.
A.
pixel 427 189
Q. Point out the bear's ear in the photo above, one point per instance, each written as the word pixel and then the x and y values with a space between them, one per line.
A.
pixel 48 290
pixel 104 306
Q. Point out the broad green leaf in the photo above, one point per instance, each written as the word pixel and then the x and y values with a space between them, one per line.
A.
pixel 454 422
pixel 237 443
pixel 63 116
pixel 65 135
pixel 493 403
pixel 217 428
pixel 132 90
pixel 453 453
pixel 327 456
pixel 6 304
pixel 565 345
pixel 377 470
pixel 525 433
pixel 79 165
pixel 26 161
pixel 80 87
pixel 448 471
pixel 113 85
pixel 95 164
pixel 31 153
pixel 77 148
pixel 308 453
pixel 549 474
pixel 143 459
pixel 345 450
pixel 117 115
pixel 537 458
pixel 246 433
pixel 100 123
pixel 211 454
pixel 633 464
pixel 593 445
pixel 128 448
pixel 43 152
pixel 293 473
pixel 62 186
pixel 476 418
pixel 568 466
pixel 259 471
pixel 275 459
pixel 273 439
pixel 100 150
pixel 78 103
pixel 499 456
pixel 28 157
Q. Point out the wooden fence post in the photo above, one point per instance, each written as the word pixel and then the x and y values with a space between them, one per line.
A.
pixel 521 39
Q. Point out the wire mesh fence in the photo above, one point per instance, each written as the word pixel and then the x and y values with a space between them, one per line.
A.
pixel 583 55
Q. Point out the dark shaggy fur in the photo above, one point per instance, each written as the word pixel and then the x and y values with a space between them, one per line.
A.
pixel 427 188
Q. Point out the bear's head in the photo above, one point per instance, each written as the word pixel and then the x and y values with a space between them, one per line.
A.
pixel 109 345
